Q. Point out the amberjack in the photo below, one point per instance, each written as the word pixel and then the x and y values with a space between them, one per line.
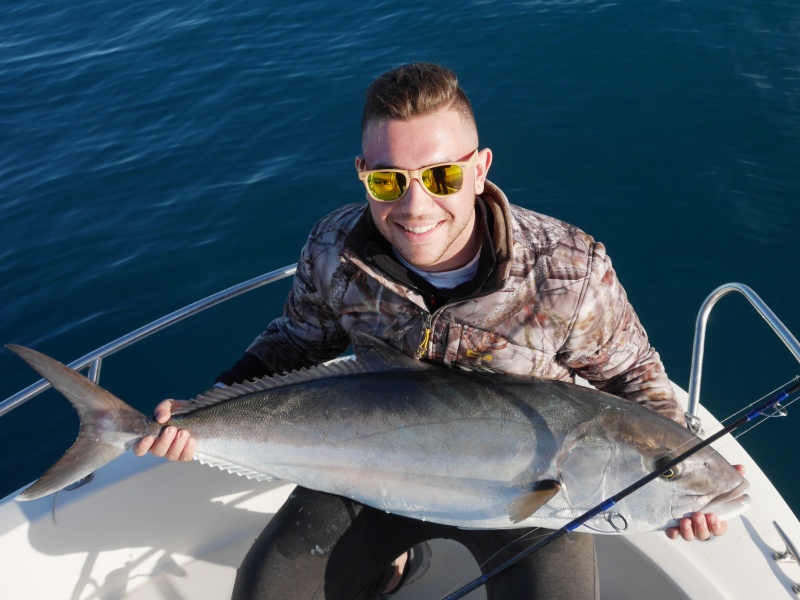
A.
pixel 463 448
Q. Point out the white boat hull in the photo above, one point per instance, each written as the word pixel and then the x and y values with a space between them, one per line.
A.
pixel 149 529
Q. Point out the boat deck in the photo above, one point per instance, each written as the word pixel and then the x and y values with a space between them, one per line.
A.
pixel 150 529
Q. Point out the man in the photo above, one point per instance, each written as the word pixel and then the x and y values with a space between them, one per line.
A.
pixel 441 266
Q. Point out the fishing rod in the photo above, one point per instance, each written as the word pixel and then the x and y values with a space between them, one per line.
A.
pixel 772 403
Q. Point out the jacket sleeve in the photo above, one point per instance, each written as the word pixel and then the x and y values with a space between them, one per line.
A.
pixel 306 334
pixel 608 346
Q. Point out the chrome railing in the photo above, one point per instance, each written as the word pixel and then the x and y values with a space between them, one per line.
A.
pixel 700 337
pixel 93 360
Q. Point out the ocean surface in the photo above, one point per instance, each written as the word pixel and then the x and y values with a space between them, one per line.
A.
pixel 153 153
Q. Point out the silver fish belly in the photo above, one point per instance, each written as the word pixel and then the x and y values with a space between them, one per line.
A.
pixel 468 449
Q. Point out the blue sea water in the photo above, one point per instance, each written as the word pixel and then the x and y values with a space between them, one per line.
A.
pixel 152 153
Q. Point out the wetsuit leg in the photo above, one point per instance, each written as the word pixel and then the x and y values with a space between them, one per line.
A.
pixel 322 546
pixel 288 559
pixel 566 569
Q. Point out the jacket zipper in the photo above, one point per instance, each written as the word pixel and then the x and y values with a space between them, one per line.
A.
pixel 427 329
pixel 426 336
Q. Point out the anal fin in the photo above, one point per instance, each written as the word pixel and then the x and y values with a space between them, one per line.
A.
pixel 523 507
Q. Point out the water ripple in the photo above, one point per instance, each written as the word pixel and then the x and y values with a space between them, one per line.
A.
pixel 154 151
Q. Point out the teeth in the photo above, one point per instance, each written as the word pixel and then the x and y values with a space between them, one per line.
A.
pixel 419 229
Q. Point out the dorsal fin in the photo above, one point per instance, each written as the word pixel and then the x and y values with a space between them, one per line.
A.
pixel 378 350
pixel 379 358
pixel 523 507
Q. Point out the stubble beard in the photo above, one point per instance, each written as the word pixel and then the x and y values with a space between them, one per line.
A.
pixel 453 236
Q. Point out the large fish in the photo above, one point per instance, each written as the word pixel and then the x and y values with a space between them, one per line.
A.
pixel 461 448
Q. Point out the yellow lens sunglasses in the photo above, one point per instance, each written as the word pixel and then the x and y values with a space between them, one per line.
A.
pixel 443 179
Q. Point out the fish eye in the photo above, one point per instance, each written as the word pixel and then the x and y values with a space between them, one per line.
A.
pixel 669 474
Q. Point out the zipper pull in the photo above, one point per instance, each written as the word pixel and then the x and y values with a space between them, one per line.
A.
pixel 426 337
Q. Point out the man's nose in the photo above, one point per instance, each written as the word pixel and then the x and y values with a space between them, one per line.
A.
pixel 416 199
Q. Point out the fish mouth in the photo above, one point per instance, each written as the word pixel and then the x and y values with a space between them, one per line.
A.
pixel 727 505
pixel 732 508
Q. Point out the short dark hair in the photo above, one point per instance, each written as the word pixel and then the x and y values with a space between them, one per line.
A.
pixel 414 90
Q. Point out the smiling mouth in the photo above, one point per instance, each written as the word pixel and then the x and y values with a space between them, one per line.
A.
pixel 418 230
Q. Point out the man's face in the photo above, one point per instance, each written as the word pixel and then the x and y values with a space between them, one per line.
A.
pixel 432 233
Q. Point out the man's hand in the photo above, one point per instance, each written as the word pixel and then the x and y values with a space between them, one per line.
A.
pixel 173 443
pixel 700 526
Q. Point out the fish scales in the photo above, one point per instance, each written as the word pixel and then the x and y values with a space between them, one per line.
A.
pixel 470 449
pixel 397 423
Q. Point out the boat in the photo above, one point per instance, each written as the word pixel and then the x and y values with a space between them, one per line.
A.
pixel 129 531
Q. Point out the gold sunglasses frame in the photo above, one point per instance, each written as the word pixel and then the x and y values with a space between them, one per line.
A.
pixel 416 174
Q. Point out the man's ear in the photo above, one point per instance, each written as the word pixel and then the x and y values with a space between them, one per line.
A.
pixel 482 169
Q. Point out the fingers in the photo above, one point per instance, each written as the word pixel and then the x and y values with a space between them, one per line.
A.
pixel 187 454
pixel 716 525
pixel 163 443
pixel 741 468
pixel 182 446
pixel 173 443
pixel 699 526
pixel 163 411
pixel 141 447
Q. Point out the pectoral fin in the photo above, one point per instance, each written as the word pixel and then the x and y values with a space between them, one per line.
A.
pixel 527 504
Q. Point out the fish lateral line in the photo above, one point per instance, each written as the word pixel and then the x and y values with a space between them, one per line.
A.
pixel 608 503
pixel 109 426
pixel 292 421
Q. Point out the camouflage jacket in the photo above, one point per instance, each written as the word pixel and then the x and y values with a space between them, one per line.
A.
pixel 546 303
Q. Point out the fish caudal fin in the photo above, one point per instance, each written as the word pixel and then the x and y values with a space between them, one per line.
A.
pixel 100 412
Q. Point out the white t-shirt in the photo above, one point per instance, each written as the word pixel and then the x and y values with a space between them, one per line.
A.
pixel 446 280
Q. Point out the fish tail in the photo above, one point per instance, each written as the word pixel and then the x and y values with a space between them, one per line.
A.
pixel 99 411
